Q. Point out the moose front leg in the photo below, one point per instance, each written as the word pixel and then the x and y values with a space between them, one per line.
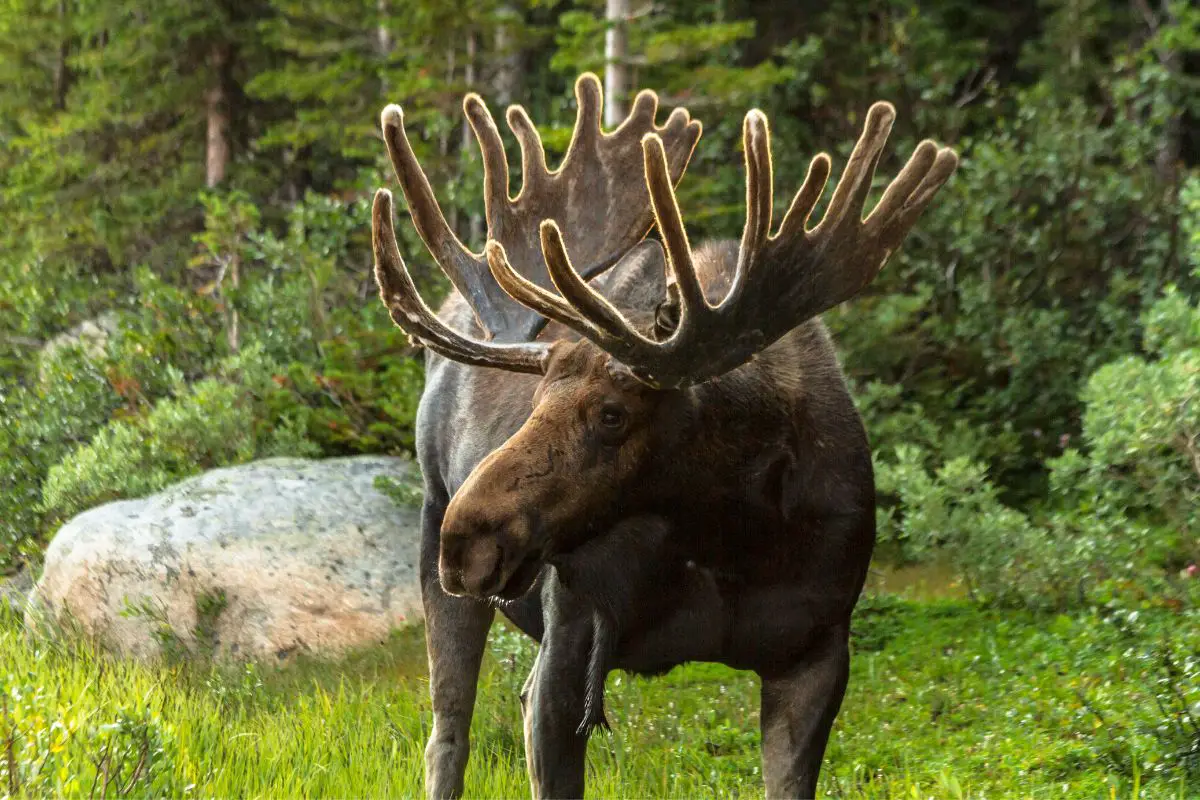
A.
pixel 554 700
pixel 798 709
pixel 456 630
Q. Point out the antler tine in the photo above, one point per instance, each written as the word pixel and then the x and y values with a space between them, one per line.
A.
pixel 795 221
pixel 848 199
pixel 533 155
pixel 427 214
pixel 409 312
pixel 589 98
pixel 900 189
pixel 670 225
pixel 756 140
pixel 779 281
pixel 495 162
pixel 944 165
pixel 644 110
pixel 593 308
pixel 528 293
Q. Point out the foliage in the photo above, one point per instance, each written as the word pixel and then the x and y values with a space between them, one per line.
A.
pixel 1123 508
pixel 205 427
pixel 1026 364
pixel 39 425
pixel 168 396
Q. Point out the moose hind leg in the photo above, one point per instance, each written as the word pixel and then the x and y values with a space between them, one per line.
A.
pixel 456 630
pixel 798 709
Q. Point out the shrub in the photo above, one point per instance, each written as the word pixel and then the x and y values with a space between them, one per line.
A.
pixel 1121 508
pixel 40 423
pixel 130 750
pixel 1141 427
pixel 954 510
pixel 209 424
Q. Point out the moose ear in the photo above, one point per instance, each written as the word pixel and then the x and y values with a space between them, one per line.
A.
pixel 623 377
pixel 666 315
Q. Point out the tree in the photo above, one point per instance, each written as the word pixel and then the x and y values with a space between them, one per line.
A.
pixel 616 71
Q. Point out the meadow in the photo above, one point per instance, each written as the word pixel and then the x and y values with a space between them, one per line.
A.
pixel 946 700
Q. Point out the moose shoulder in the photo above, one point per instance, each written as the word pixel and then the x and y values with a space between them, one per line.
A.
pixel 672 469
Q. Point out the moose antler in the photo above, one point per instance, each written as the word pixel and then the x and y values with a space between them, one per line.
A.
pixel 780 281
pixel 590 194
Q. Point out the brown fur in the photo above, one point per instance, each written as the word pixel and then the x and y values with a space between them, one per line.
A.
pixel 691 480
pixel 754 494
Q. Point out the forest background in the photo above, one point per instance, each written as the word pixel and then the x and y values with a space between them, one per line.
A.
pixel 194 177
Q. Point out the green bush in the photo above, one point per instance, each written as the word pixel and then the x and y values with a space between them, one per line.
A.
pixel 41 421
pixel 316 368
pixel 252 407
pixel 1122 507
pixel 210 424
pixel 1141 428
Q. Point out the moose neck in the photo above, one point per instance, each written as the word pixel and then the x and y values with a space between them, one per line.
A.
pixel 712 441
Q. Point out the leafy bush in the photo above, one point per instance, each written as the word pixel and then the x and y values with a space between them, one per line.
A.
pixel 130 749
pixel 208 425
pixel 1027 276
pixel 956 510
pixel 316 368
pixel 40 423
pixel 1123 508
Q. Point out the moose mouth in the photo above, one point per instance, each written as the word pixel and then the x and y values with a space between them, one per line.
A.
pixel 522 578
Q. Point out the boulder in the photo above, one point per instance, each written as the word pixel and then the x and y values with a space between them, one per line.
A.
pixel 270 559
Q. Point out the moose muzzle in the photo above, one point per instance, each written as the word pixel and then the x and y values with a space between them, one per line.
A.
pixel 485 553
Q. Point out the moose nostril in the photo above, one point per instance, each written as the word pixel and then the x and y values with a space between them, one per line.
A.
pixel 494 582
pixel 453 563
pixel 482 566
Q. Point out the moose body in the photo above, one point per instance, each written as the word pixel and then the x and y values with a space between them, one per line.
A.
pixel 684 479
pixel 753 524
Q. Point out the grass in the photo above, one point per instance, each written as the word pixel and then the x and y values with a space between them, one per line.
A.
pixel 946 700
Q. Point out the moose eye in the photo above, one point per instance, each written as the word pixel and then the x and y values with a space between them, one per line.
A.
pixel 612 416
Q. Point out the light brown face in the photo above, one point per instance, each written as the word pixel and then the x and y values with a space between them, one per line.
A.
pixel 563 471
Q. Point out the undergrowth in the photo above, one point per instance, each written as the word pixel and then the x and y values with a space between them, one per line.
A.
pixel 946 700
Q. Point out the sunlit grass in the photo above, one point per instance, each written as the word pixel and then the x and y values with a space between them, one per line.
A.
pixel 945 701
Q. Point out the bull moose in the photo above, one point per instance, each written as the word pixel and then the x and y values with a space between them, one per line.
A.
pixel 642 453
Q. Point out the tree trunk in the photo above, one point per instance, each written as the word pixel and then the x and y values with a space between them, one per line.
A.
pixel 383 42
pixel 475 220
pixel 507 80
pixel 217 101
pixel 383 38
pixel 217 153
pixel 616 71
pixel 62 72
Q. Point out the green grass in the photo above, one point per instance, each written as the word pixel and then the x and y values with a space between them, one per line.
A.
pixel 946 700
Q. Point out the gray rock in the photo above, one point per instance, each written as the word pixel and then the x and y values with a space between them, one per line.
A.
pixel 265 560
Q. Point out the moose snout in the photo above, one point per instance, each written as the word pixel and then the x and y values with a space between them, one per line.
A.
pixel 472 565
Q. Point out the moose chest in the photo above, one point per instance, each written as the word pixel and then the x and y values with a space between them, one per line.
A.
pixel 670 601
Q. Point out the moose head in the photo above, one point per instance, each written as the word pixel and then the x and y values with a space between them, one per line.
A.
pixel 607 399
